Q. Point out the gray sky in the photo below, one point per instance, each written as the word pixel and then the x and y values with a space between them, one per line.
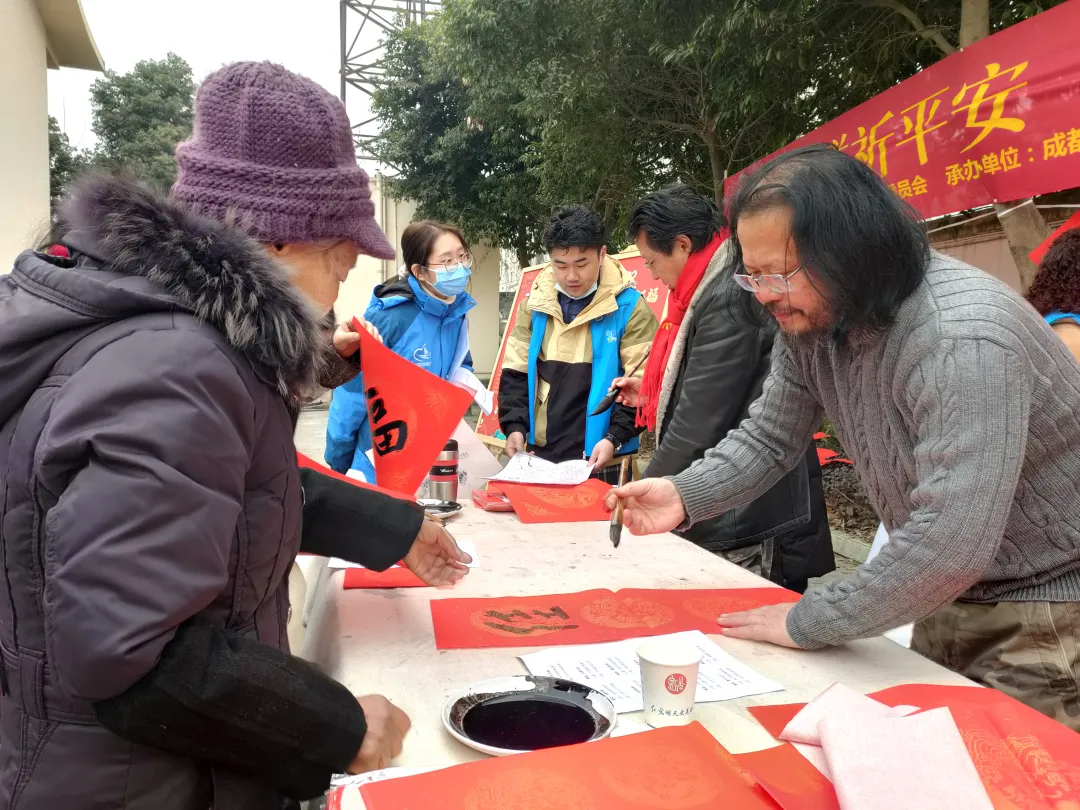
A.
pixel 300 34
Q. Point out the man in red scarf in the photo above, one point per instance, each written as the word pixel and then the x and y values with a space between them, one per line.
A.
pixel 706 366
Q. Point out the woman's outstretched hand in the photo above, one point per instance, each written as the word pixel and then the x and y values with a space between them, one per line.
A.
pixel 435 556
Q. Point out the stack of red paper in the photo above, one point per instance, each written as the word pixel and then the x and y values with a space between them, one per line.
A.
pixel 681 768
pixel 922 746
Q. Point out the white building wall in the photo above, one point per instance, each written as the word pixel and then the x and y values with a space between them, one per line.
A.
pixel 24 130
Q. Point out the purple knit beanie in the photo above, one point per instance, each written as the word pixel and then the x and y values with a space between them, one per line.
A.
pixel 274 151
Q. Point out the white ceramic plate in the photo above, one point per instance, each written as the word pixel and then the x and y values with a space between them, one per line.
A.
pixel 457 705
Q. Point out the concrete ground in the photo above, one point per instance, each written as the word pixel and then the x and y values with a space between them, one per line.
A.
pixel 850 551
pixel 311 433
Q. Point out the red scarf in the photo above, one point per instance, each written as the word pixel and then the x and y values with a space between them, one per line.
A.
pixel 678 302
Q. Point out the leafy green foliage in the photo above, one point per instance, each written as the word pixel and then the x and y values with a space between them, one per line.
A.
pixel 455 166
pixel 139 117
pixel 65 162
pixel 597 101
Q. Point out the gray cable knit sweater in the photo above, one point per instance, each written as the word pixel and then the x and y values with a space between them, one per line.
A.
pixel 963 420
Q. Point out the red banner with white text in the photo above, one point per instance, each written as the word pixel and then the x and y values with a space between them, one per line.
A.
pixel 997 121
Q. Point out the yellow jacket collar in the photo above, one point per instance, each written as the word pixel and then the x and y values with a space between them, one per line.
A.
pixel 614 278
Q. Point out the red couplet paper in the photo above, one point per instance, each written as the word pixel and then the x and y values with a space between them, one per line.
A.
pixel 587 617
pixel 396 577
pixel 412 414
pixel 547 504
pixel 682 768
pixel 1072 222
pixel 1026 760
pixel 789 779
pixel 306 463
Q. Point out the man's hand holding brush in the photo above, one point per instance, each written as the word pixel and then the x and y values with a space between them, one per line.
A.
pixel 650 506
pixel 629 391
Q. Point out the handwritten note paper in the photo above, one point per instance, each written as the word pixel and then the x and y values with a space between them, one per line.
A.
pixel 526 469
pixel 613 669
pixel 481 395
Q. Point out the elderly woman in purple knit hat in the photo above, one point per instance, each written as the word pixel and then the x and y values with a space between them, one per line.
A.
pixel 150 503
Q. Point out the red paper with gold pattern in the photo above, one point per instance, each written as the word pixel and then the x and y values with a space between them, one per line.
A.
pixel 587 617
pixel 412 415
pixel 396 577
pixel 558 504
pixel 682 768
pixel 1026 760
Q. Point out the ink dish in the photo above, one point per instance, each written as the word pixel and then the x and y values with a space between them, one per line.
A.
pixel 518 713
pixel 440 509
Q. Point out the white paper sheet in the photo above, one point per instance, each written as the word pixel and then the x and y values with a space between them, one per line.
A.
pixel 481 396
pixel 803 727
pixel 613 669
pixel 526 469
pixel 896 763
pixel 336 563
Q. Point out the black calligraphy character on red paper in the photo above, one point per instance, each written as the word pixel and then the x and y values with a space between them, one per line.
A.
pixel 386 437
pixel 376 405
pixel 521 623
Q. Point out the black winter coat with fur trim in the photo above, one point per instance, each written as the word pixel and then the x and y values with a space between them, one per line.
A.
pixel 150 509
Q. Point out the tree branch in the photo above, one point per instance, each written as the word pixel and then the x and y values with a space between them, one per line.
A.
pixel 656 122
pixel 742 131
pixel 933 35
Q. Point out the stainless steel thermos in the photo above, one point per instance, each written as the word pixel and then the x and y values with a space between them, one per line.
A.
pixel 443 478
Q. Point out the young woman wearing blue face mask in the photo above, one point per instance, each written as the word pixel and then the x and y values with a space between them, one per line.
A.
pixel 422 316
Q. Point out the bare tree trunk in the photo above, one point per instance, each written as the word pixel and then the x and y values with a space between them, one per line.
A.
pixel 522 249
pixel 1021 221
pixel 974 21
pixel 1025 229
pixel 716 164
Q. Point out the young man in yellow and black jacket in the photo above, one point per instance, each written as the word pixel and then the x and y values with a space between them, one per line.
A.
pixel 580 327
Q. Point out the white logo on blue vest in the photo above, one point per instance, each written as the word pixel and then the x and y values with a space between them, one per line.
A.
pixel 422 357
pixel 611 336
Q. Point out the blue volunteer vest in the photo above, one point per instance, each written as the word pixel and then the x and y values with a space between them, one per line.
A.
pixel 607 333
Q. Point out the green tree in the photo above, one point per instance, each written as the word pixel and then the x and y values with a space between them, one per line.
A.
pixel 139 117
pixel 629 94
pixel 65 162
pixel 623 95
pixel 454 165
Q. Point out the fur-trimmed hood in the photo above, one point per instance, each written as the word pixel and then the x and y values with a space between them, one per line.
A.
pixel 135 252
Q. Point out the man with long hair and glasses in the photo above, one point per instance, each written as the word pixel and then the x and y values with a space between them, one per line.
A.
pixel 958 405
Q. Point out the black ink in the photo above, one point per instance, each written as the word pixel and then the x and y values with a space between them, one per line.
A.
pixel 389 437
pixel 528 722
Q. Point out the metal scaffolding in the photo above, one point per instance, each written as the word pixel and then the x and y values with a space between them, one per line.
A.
pixel 364 24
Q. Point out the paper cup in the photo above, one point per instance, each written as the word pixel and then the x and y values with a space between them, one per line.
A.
pixel 669 671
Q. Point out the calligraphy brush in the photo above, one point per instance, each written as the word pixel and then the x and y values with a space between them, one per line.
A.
pixel 615 532
pixel 613 392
